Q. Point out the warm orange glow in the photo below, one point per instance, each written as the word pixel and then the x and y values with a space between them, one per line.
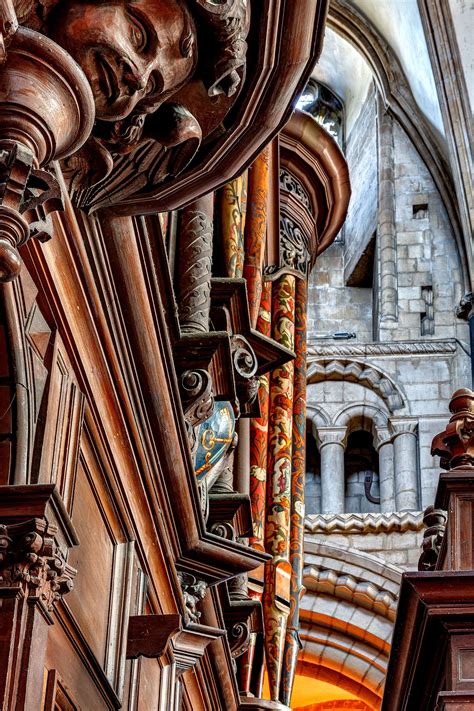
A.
pixel 311 691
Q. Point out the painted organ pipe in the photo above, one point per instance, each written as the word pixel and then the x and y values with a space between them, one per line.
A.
pixel 277 525
pixel 292 644
pixel 233 209
pixel 256 230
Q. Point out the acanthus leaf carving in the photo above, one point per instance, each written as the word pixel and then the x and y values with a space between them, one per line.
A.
pixel 31 559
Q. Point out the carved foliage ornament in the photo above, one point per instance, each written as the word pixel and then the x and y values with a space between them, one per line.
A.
pixel 31 559
pixel 137 55
pixel 292 185
pixel 294 248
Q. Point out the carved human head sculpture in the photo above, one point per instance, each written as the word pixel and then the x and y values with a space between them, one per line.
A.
pixel 164 74
pixel 135 53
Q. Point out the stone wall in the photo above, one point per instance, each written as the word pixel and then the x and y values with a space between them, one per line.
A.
pixel 361 149
pixel 404 378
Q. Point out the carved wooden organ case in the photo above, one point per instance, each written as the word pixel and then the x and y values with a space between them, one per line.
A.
pixel 131 353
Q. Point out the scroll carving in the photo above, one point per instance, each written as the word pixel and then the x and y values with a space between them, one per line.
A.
pixel 245 369
pixel 31 559
pixel 196 393
pixel 138 56
pixel 194 590
pixel 435 522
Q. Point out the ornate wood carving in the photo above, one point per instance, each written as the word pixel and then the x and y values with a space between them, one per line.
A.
pixel 435 522
pixel 193 590
pixel 455 445
pixel 31 560
pixel 32 133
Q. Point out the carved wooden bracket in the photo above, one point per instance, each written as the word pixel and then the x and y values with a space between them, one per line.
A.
pixel 148 635
pixel 194 590
pixel 230 515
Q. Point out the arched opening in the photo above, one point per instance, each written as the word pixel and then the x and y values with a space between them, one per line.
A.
pixel 313 473
pixel 361 470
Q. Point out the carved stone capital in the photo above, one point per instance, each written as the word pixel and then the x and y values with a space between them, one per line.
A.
pixel 403 425
pixel 435 522
pixel 193 590
pixel 383 436
pixel 455 445
pixel 331 435
pixel 31 559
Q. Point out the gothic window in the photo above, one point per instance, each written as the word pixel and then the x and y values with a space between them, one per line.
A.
pixel 327 108
pixel 361 468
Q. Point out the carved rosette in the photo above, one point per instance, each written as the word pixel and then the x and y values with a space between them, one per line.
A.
pixel 31 559
pixel 455 445
pixel 435 522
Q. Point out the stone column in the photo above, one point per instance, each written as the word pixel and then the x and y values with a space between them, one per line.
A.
pixel 384 446
pixel 331 444
pixel 387 245
pixel 404 433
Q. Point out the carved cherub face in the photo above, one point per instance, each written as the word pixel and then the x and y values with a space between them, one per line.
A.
pixel 132 51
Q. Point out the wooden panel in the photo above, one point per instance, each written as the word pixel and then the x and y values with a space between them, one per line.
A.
pixel 62 657
pixel 63 416
pixel 93 559
pixel 148 688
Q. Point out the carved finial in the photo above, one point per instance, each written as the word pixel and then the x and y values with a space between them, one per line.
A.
pixel 435 522
pixel 455 445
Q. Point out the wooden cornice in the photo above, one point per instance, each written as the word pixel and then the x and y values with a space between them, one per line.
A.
pixel 314 158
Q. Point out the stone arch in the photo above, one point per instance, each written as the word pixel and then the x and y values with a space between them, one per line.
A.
pixel 369 376
pixel 317 415
pixel 361 416
pixel 346 618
